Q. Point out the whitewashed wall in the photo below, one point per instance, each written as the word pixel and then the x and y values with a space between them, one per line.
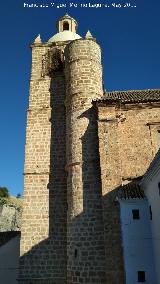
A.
pixel 152 192
pixel 9 257
pixel 137 241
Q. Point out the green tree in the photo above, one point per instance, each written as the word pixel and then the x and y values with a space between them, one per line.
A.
pixel 4 192
pixel 18 195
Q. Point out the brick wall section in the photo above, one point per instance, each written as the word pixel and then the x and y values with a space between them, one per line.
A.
pixel 127 145
pixel 43 240
pixel 85 236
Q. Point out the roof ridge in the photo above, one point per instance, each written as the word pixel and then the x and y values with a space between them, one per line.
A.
pixel 130 91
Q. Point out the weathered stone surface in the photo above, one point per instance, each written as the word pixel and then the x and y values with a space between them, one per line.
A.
pixel 85 229
pixel 10 216
pixel 131 134
pixel 43 239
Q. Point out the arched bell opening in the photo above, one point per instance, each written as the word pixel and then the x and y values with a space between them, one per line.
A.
pixel 65 26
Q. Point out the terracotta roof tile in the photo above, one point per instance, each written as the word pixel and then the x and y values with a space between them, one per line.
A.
pixel 130 190
pixel 134 96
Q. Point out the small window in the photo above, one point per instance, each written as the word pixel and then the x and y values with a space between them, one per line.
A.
pixel 135 214
pixel 141 276
pixel 159 187
pixel 150 212
pixel 75 253
pixel 65 26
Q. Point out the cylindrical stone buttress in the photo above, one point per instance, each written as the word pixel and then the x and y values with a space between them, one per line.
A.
pixel 85 231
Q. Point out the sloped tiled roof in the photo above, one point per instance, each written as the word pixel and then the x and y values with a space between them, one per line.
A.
pixel 5 237
pixel 135 96
pixel 129 191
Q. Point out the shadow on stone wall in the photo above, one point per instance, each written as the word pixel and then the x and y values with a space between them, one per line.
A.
pixel 106 231
pixel 113 240
pixel 47 260
pixel 94 254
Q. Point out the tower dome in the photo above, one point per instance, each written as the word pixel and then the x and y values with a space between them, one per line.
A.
pixel 66 29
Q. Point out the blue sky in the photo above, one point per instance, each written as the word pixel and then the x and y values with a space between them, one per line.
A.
pixel 130 41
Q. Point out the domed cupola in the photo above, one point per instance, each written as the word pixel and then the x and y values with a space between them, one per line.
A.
pixel 66 28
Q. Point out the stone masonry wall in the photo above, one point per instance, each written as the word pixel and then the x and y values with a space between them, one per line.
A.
pixel 10 216
pixel 85 236
pixel 127 145
pixel 43 238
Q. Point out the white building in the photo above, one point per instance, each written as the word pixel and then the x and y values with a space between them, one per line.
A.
pixel 151 186
pixel 136 235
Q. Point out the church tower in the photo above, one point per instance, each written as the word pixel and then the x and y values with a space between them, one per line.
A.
pixel 62 237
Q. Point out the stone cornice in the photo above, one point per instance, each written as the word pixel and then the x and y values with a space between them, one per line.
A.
pixel 127 106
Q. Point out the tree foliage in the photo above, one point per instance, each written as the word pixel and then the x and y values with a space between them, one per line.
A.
pixel 18 195
pixel 4 192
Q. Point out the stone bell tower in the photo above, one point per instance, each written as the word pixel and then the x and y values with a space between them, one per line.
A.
pixel 62 226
